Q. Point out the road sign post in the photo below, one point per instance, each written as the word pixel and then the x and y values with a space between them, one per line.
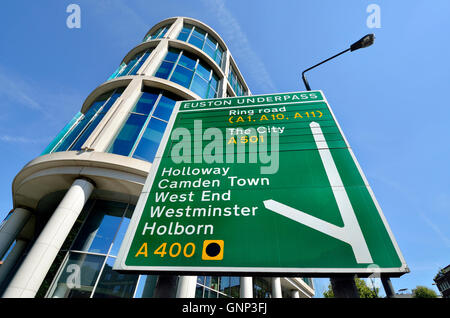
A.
pixel 258 184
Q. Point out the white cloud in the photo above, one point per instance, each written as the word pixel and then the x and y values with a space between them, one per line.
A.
pixel 17 90
pixel 239 45
pixel 125 20
pixel 436 230
pixel 18 139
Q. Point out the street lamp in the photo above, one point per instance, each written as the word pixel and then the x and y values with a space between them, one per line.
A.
pixel 362 43
pixel 345 286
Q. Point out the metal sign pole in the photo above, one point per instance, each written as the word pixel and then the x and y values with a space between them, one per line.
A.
pixel 387 285
pixel 344 286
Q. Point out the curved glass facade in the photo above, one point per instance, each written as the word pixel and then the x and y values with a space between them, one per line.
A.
pixel 83 267
pixel 217 287
pixel 141 133
pixel 73 136
pixel 86 271
pixel 133 65
pixel 157 34
pixel 186 69
pixel 236 83
pixel 204 41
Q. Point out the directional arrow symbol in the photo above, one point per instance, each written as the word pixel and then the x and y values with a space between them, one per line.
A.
pixel 351 232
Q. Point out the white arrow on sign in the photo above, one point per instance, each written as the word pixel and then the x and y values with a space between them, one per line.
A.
pixel 351 232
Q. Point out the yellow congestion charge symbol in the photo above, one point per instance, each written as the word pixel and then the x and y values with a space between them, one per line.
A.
pixel 212 250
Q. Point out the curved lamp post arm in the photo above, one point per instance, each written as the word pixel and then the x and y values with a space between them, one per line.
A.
pixel 362 43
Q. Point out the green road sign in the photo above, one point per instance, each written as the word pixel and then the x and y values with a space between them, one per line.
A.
pixel 258 184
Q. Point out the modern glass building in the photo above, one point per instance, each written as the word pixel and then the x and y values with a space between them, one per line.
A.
pixel 73 203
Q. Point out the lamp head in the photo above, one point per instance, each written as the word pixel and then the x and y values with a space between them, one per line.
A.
pixel 363 42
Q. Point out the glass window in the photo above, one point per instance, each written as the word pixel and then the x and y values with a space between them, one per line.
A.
pixel 199 86
pixel 209 293
pixel 86 124
pixel 203 70
pixel 188 61
pixel 118 70
pixel 78 276
pixel 203 40
pixel 133 66
pixel 149 143
pixel 199 291
pixel 81 140
pixel 164 70
pixel 235 83
pixel 199 33
pixel 113 284
pixel 211 42
pixel 124 142
pixel 164 108
pixel 182 76
pixel 196 41
pixel 218 57
pixel 261 288
pixel 211 51
pixel 184 34
pixel 201 280
pixel 140 63
pixel 145 104
pixel 82 124
pixel 130 65
pixel 86 270
pixel 122 230
pixel 62 133
pixel 142 132
pixel 146 286
pixel 157 34
pixel 172 55
pixel 100 227
pixel 97 118
pixel 163 32
pixel 224 284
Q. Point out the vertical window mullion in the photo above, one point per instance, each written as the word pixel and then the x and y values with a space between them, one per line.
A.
pixel 135 63
pixel 193 74
pixel 84 129
pixel 204 40
pixel 108 253
pixel 100 273
pixel 175 65
pixel 67 133
pixel 92 119
pixel 58 274
pixel 190 34
pixel 144 127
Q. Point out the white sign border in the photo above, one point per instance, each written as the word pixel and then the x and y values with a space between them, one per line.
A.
pixel 120 265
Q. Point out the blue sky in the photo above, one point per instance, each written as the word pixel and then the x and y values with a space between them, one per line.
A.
pixel 387 98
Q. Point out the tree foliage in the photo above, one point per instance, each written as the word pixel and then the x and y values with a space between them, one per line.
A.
pixel 423 292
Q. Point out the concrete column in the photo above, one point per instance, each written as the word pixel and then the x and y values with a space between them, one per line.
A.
pixel 106 130
pixel 174 29
pixel 11 260
pixel 246 288
pixel 276 287
pixel 226 70
pixel 295 294
pixel 12 226
pixel 153 61
pixel 31 273
pixel 186 287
